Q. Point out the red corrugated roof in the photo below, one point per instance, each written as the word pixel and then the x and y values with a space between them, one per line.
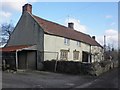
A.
pixel 59 30
pixel 13 48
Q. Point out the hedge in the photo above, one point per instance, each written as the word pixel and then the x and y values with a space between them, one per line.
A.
pixel 72 67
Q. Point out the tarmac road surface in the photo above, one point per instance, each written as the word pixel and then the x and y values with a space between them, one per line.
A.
pixel 40 79
pixel 107 80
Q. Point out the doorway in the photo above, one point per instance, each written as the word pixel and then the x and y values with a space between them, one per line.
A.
pixel 27 60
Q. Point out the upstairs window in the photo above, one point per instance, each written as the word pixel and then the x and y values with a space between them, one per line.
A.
pixel 66 41
pixel 78 43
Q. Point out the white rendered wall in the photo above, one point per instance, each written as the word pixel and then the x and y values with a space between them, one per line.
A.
pixel 55 44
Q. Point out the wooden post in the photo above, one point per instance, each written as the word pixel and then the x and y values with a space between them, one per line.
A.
pixel 56 63
pixel 16 59
pixel 90 56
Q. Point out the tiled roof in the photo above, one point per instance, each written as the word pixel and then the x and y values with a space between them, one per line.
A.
pixel 13 48
pixel 59 30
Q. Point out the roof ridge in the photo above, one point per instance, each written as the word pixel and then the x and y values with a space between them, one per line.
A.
pixel 60 30
pixel 61 25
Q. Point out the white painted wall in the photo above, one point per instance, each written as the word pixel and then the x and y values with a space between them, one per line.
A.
pixel 55 44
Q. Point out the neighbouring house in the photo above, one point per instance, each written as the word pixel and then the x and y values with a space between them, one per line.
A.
pixel 35 40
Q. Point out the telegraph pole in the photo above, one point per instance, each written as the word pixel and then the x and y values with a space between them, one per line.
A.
pixel 104 46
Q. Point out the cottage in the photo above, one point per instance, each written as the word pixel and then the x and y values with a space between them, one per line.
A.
pixel 35 40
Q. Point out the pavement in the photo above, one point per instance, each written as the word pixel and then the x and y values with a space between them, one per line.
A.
pixel 41 79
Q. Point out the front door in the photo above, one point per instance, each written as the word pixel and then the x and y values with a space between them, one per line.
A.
pixel 31 60
pixel 22 57
pixel 84 56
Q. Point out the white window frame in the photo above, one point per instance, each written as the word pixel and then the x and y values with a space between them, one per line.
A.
pixel 64 54
pixel 78 43
pixel 66 41
pixel 76 55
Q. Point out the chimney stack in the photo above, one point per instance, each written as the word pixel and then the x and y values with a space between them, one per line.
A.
pixel 93 37
pixel 71 25
pixel 27 8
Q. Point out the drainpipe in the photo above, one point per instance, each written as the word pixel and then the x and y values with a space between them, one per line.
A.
pixel 16 59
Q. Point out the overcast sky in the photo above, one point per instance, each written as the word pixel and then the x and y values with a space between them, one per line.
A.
pixel 94 18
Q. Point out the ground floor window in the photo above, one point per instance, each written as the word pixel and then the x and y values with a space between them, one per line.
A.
pixel 64 54
pixel 75 55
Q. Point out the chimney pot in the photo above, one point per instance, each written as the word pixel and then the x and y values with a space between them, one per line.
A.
pixel 71 25
pixel 28 8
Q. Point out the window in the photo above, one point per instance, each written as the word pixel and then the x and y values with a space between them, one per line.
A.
pixel 66 41
pixel 64 54
pixel 78 43
pixel 76 55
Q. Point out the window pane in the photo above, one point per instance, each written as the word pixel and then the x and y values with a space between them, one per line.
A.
pixel 78 43
pixel 76 55
pixel 66 41
pixel 64 54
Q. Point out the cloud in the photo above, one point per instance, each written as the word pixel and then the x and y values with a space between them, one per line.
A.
pixel 16 5
pixel 108 16
pixel 77 25
pixel 111 37
pixel 9 7
pixel 111 34
pixel 5 14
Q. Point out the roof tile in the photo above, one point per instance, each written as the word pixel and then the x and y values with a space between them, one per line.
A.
pixel 59 30
pixel 13 48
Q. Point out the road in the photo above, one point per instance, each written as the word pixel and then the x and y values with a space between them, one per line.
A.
pixel 107 80
pixel 40 79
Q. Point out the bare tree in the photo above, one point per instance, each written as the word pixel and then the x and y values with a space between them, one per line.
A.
pixel 112 52
pixel 6 30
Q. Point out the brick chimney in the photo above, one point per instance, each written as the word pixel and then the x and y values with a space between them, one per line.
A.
pixel 27 8
pixel 93 37
pixel 71 25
